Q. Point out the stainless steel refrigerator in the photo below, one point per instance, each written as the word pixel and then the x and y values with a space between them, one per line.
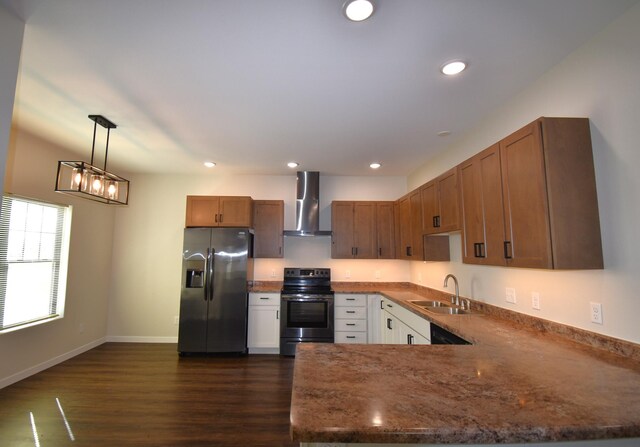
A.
pixel 216 265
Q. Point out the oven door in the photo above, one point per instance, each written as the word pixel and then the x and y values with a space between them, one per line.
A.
pixel 306 316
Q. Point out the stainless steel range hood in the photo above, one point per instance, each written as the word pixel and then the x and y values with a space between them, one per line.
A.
pixel 307 205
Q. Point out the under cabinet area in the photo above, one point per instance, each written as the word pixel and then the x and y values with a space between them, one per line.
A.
pixel 402 327
pixel 219 211
pixel 263 333
pixel 350 318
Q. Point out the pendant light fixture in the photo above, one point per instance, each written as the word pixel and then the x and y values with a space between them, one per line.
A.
pixel 83 179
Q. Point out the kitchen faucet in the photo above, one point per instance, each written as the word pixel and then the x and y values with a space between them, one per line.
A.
pixel 454 299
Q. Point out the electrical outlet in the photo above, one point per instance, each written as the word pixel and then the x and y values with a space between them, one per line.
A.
pixel 81 328
pixel 596 312
pixel 378 275
pixel 535 300
pixel 273 273
pixel 347 274
pixel 510 295
pixel 176 320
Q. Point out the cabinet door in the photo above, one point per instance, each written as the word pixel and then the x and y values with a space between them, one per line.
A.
pixel 236 212
pixel 385 230
pixel 416 252
pixel 403 214
pixel 202 211
pixel 428 195
pixel 526 215
pixel 391 335
pixel 448 201
pixel 268 227
pixel 410 337
pixel 342 243
pixel 264 327
pixel 374 319
pixel 364 230
pixel 482 209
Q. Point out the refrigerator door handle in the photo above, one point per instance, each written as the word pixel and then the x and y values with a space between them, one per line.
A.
pixel 206 275
pixel 211 256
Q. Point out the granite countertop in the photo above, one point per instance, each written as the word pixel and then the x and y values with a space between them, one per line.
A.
pixel 513 384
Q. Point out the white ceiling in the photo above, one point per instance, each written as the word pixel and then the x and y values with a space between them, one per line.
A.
pixel 252 84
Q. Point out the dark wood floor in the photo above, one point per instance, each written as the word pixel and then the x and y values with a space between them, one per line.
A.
pixel 125 394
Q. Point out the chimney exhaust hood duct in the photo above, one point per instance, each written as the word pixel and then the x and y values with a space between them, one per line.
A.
pixel 307 205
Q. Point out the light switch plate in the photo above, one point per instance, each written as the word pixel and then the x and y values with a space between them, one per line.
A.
pixel 510 295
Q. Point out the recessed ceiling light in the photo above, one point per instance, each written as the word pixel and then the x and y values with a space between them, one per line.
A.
pixel 209 164
pixel 452 68
pixel 444 133
pixel 293 164
pixel 358 10
pixel 375 165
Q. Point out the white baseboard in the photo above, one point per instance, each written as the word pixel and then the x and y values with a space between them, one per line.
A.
pixel 49 363
pixel 138 339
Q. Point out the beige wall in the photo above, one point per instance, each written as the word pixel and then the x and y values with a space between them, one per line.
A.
pixel 31 172
pixel 599 81
pixel 11 33
pixel 145 291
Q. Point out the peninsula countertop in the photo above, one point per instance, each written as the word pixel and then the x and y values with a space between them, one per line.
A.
pixel 512 384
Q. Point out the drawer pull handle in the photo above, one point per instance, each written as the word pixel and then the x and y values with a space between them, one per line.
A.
pixel 351 311
pixel 351 336
pixel 264 297
pixel 351 299
pixel 351 324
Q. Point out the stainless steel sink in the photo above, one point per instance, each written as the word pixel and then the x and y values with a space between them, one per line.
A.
pixel 446 310
pixel 424 303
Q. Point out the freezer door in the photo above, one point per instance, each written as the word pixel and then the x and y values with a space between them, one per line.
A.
pixel 227 331
pixel 194 297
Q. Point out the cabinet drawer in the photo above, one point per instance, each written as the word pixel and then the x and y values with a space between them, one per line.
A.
pixel 352 313
pixel 264 299
pixel 342 300
pixel 350 337
pixel 351 325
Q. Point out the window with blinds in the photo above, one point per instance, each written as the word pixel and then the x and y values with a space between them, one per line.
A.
pixel 34 240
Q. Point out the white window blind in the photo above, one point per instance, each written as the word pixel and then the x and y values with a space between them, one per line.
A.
pixel 33 257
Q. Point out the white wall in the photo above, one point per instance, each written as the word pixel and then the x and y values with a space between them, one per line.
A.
pixel 31 172
pixel 599 81
pixel 145 292
pixel 11 33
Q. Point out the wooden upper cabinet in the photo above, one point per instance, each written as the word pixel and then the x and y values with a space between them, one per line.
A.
pixel 482 209
pixel 550 201
pixel 409 227
pixel 385 230
pixel 268 227
pixel 440 204
pixel 353 226
pixel 219 211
